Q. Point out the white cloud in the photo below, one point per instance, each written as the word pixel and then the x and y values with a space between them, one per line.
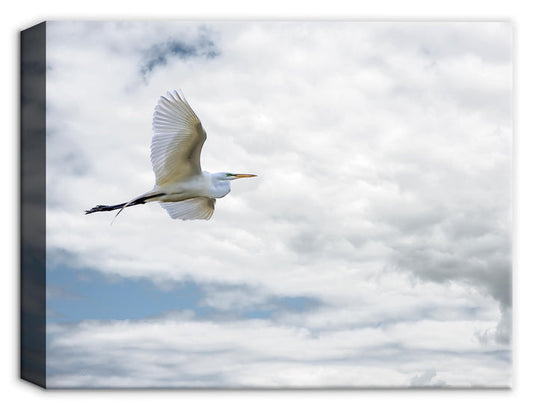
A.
pixel 188 353
pixel 383 153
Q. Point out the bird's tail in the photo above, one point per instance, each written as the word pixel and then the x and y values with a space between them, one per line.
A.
pixel 135 201
pixel 100 208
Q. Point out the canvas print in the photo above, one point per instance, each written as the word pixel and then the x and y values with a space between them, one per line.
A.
pixel 278 204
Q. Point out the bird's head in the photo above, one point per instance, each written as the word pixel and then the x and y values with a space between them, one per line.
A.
pixel 228 176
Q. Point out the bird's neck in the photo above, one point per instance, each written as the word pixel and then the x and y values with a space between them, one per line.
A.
pixel 219 187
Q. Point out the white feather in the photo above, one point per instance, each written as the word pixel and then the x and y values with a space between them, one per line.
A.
pixel 177 141
pixel 195 208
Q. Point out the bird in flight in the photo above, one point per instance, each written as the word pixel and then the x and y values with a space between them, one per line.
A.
pixel 181 187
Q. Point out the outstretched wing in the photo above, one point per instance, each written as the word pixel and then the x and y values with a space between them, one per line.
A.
pixel 177 141
pixel 195 208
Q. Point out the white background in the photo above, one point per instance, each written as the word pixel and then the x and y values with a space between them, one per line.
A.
pixel 24 14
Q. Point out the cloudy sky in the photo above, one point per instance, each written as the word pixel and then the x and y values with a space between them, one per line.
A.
pixel 373 250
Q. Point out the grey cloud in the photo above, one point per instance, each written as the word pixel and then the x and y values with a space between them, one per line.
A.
pixel 243 301
pixel 451 63
pixel 307 242
pixel 427 379
pixel 185 353
pixel 71 156
pixel 490 41
pixel 467 243
pixel 502 333
pixel 488 269
pixel 424 378
pixel 159 54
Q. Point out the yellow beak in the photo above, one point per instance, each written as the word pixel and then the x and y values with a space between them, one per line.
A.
pixel 244 175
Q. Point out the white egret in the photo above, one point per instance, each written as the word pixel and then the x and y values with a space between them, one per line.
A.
pixel 181 187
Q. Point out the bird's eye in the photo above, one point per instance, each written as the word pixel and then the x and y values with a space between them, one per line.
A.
pixel 228 174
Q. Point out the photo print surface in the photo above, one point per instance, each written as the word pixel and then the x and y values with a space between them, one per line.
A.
pixel 372 250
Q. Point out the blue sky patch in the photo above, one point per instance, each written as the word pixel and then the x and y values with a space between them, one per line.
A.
pixel 76 295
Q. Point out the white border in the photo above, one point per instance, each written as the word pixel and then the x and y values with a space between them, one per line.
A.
pixel 22 14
